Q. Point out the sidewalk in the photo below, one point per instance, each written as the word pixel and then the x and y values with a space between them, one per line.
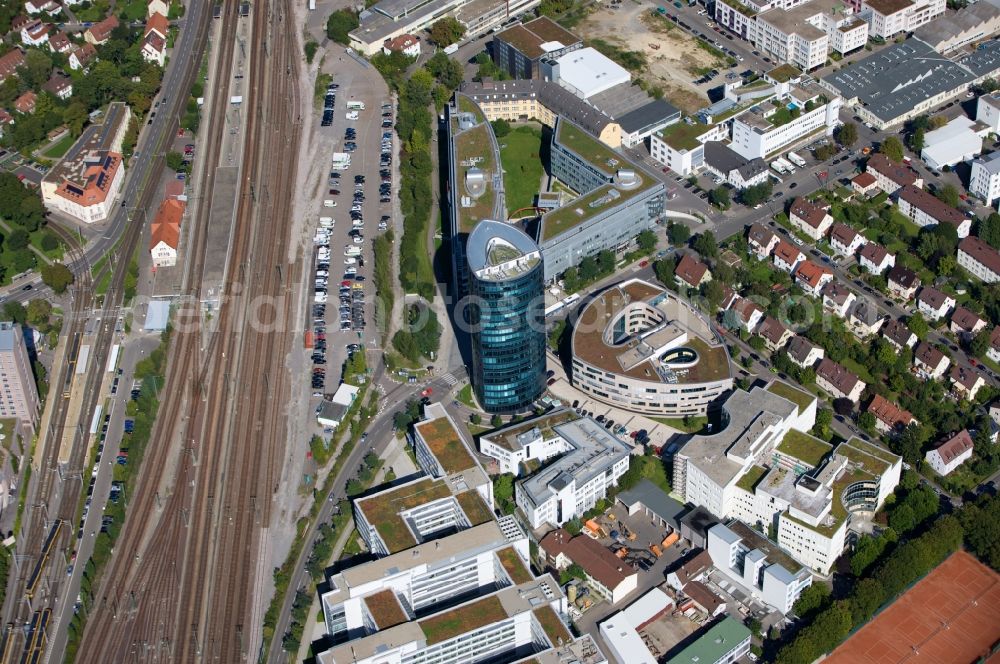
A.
pixel 399 461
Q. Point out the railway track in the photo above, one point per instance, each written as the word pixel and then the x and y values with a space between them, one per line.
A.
pixel 179 585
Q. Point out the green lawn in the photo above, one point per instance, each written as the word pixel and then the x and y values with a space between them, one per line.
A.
pixel 134 10
pixel 859 370
pixel 60 147
pixel 522 166
pixel 690 425
pixel 796 396
pixel 95 12
pixel 465 396
pixel 36 242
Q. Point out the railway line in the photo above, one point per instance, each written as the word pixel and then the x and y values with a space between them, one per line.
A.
pixel 179 586
pixel 35 587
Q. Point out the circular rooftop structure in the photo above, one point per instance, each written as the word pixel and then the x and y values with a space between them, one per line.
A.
pixel 497 251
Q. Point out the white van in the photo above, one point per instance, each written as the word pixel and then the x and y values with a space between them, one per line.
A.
pixel 353 115
pixel 352 250
pixel 350 261
pixel 329 203
pixel 326 222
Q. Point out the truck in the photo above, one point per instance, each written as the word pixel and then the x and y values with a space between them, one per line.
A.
pixel 341 161
pixel 450 48
pixel 796 159
pixel 670 539
pixel 777 166
pixel 355 105
pixel 787 164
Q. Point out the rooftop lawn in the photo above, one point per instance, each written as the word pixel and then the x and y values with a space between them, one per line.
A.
pixel 466 105
pixel 382 510
pixel 474 507
pixel 596 153
pixel 796 396
pixel 576 212
pixel 741 8
pixel 684 136
pixel 873 462
pixel 513 566
pixel 520 157
pixel 749 481
pixel 784 73
pixel 713 363
pixel 475 144
pixel 804 447
pixel 463 619
pixel 554 628
pixel 385 609
pixel 446 445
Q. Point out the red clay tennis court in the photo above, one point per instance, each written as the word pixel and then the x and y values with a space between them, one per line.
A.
pixel 951 616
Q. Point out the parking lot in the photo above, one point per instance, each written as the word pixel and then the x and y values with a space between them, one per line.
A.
pixel 353 210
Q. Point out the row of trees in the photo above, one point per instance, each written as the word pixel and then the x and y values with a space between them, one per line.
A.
pixel 421 334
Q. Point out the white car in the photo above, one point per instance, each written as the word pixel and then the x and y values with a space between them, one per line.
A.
pixel 350 260
pixel 358 239
pixel 351 270
pixel 329 203
pixel 319 298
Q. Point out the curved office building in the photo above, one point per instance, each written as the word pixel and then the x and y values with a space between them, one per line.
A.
pixel 507 317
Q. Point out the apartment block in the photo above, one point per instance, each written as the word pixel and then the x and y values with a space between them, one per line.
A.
pixel 681 147
pixel 18 396
pixel 979 259
pixel 804 34
pixel 888 18
pixel 984 180
pixel 925 209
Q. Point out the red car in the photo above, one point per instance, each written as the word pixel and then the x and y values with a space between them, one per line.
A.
pixel 346 284
pixel 427 392
pixel 643 263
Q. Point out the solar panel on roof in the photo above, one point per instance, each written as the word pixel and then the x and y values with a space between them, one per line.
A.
pixel 76 191
pixel 107 161
pixel 100 180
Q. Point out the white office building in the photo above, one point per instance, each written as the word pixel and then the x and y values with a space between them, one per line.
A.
pixel 589 460
pixel 804 34
pixel 776 125
pixel 887 18
pixel 757 565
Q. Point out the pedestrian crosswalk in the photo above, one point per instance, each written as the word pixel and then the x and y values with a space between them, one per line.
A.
pixel 449 380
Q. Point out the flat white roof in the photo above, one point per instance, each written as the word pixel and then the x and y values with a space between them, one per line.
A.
pixel 587 72
pixel 952 142
pixel 345 394
pixel 624 642
pixel 157 315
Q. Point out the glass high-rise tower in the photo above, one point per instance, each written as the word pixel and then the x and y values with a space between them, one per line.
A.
pixel 507 317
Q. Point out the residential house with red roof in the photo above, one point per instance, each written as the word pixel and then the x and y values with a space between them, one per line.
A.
pixel 951 453
pixel 89 191
pixel 10 62
pixel 25 104
pixel 875 259
pixel 691 273
pixel 59 86
pixel 889 176
pixel 812 277
pixel 165 233
pixel 838 381
pixel 154 43
pixel 6 120
pixel 787 256
pixel 838 298
pixel 889 418
pixel 965 324
pixel 408 45
pixel 99 33
pixel 903 282
pixel 761 240
pixel 865 184
pixel 60 43
pixel 966 382
pixel 929 361
pixel 993 352
pixel 844 240
pixel 611 577
pixel 747 313
pixel 35 33
pixel 934 304
pixel 925 209
pixel 809 218
pixel 979 259
pixel 775 334
pixel 82 57
pixel 898 334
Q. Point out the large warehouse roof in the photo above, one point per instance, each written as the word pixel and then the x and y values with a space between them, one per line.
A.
pixel 589 72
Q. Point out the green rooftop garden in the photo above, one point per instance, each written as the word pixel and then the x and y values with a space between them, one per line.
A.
pixel 385 609
pixel 741 8
pixel 684 136
pixel 462 620
pixel 804 447
pixel 713 363
pixel 576 212
pixel 798 397
pixel 750 479
pixel 596 153
pixel 446 445
pixel 513 566
pixel 474 149
pixel 474 507
pixel 466 105
pixel 874 463
pixel 382 510
pixel 554 628
pixel 784 73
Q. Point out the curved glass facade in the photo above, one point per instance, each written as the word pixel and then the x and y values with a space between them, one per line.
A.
pixel 507 318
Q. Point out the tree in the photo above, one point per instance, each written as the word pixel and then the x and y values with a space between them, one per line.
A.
pixel 867 422
pixel 500 126
pixel 57 277
pixel 892 148
pixel 824 418
pixel 917 140
pixel 980 343
pixel 36 68
pixel 646 241
pixel 447 71
pixel 664 270
pixel 175 160
pixel 918 325
pixel 15 311
pixel 446 31
pixel 679 234
pixel 588 268
pixel 719 197
pixel 17 240
pixel 948 194
pixel 39 311
pixel 340 23
pixel 712 292
pixel 49 242
pixel 843 407
pixel 988 230
pixel 811 600
pixel 496 421
pixel 706 245
pixel 503 492
pixel 757 194
pixel 847 134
